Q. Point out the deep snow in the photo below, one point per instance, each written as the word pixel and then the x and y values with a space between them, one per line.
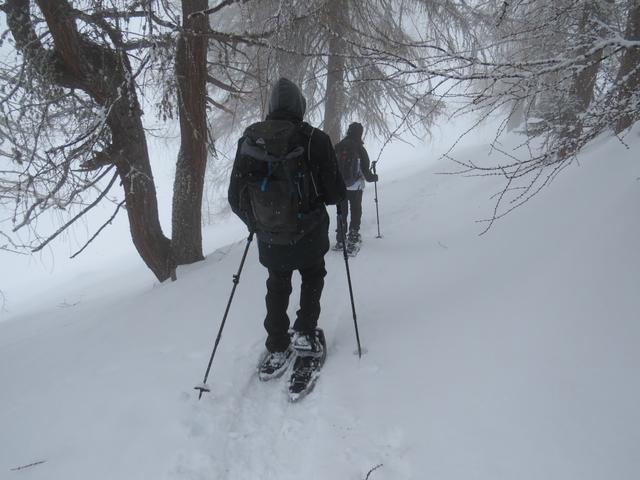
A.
pixel 511 355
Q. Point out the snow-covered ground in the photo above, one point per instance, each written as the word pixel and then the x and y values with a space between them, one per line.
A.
pixel 512 355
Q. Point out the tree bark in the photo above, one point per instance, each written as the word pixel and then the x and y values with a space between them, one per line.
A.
pixel 629 74
pixel 334 102
pixel 595 13
pixel 105 75
pixel 191 72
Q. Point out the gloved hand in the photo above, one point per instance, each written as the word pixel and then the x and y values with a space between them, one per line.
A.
pixel 374 177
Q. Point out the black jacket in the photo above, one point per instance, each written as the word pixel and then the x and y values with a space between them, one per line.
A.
pixel 287 103
pixel 354 136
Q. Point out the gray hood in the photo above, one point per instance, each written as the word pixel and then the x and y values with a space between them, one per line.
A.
pixel 286 98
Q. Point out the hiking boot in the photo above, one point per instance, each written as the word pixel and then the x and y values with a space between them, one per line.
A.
pixel 339 246
pixel 275 364
pixel 307 344
pixel 354 238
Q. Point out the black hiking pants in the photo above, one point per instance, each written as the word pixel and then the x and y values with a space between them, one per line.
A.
pixel 278 291
pixel 353 200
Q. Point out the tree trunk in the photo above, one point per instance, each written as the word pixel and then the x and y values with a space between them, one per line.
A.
pixel 191 72
pixel 135 173
pixel 334 102
pixel 629 74
pixel 105 75
pixel 595 14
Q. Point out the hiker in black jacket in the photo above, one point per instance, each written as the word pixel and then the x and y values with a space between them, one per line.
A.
pixel 353 162
pixel 282 250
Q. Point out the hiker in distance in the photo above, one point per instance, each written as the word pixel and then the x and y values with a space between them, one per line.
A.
pixel 353 162
pixel 284 173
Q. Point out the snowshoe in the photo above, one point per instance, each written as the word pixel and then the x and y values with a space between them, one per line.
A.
pixel 354 242
pixel 311 352
pixel 353 249
pixel 338 247
pixel 275 364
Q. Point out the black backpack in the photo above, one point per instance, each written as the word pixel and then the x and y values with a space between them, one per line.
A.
pixel 348 156
pixel 277 181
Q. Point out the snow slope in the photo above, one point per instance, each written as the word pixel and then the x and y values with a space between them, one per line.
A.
pixel 507 356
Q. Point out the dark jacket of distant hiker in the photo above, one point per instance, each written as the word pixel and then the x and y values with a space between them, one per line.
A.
pixel 354 139
pixel 287 103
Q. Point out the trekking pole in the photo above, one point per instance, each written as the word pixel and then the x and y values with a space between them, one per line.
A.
pixel 203 387
pixel 375 187
pixel 346 263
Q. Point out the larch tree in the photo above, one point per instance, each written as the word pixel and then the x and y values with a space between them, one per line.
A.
pixel 342 54
pixel 561 72
pixel 72 126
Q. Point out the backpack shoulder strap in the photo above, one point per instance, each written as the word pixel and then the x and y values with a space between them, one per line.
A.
pixel 306 129
pixel 307 133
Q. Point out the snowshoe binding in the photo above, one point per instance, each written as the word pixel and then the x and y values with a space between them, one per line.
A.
pixel 354 242
pixel 275 364
pixel 311 352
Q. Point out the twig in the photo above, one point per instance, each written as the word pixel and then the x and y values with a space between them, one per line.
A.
pixel 66 304
pixel 22 467
pixel 217 8
pixel 372 470
pixel 505 5
pixel 11 246
pixel 79 215
pixel 104 225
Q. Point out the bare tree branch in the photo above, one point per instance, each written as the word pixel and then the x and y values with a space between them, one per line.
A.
pixel 77 216
pixel 217 8
pixel 95 235
pixel 373 470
